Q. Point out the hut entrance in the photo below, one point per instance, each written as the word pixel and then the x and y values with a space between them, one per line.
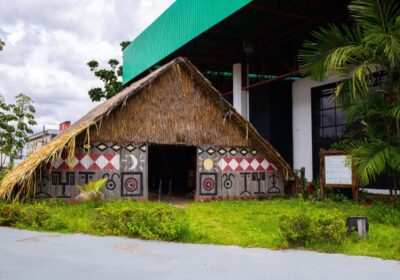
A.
pixel 172 173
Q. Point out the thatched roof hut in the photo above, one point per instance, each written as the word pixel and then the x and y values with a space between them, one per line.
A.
pixel 174 105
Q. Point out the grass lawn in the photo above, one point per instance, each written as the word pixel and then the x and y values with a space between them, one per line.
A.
pixel 256 224
pixel 249 223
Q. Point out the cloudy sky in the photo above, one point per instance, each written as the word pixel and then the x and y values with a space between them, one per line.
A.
pixel 49 42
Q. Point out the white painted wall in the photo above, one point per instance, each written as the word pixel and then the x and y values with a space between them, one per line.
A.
pixel 240 97
pixel 302 123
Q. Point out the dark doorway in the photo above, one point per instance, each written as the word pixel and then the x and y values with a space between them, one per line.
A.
pixel 172 172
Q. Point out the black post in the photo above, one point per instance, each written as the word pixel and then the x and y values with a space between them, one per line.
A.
pixel 170 192
pixel 303 181
pixel 159 191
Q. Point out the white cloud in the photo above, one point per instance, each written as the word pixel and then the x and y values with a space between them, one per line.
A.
pixel 48 44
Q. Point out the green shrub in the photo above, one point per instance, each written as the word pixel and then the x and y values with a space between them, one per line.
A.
pixel 54 223
pixel 9 214
pixel 385 213
pixel 328 229
pixel 296 229
pixel 106 221
pixel 35 216
pixel 157 222
pixel 160 222
pixel 339 195
pixel 303 230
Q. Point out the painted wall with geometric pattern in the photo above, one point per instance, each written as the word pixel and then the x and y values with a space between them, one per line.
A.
pixel 125 166
pixel 235 172
pixel 222 172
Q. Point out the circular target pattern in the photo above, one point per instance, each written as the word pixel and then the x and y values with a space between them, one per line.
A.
pixel 131 184
pixel 208 184
pixel 110 185
pixel 228 184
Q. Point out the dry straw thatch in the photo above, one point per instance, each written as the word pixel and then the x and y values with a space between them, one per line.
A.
pixel 172 110
pixel 177 105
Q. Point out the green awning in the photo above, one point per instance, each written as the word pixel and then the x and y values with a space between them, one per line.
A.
pixel 183 21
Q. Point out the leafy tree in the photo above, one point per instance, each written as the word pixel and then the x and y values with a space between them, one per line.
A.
pixel 6 131
pixel 15 125
pixel 2 44
pixel 110 78
pixel 366 55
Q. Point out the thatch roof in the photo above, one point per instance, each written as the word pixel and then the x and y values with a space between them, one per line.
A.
pixel 237 131
pixel 174 109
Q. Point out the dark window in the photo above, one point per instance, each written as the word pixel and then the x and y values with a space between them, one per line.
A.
pixel 329 121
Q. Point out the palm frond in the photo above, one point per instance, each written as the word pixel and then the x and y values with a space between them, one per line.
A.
pixel 357 83
pixel 372 14
pixel 92 190
pixel 373 157
pixel 380 20
pixel 394 111
pixel 329 49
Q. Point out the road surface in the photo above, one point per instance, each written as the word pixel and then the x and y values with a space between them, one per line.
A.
pixel 41 256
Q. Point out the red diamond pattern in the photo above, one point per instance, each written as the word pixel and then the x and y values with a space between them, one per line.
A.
pixel 245 164
pixel 89 162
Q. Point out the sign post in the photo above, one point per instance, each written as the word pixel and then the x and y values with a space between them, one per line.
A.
pixel 336 173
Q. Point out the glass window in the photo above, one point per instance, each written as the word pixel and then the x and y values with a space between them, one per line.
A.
pixel 328 120
pixel 327 117
pixel 340 130
pixel 340 116
pixel 329 132
pixel 326 102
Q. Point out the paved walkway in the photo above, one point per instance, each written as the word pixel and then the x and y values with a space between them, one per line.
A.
pixel 33 255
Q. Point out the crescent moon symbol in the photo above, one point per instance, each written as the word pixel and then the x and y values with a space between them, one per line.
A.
pixel 134 162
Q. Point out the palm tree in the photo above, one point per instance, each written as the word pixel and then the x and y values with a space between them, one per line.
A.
pixel 365 54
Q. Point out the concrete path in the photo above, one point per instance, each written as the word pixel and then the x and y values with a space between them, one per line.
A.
pixel 33 255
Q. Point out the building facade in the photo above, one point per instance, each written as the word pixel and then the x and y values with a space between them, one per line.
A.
pixel 248 49
pixel 38 140
pixel 169 134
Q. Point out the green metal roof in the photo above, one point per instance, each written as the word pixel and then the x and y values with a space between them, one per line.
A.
pixel 183 21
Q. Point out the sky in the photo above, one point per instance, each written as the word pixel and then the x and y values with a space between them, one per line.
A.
pixel 49 42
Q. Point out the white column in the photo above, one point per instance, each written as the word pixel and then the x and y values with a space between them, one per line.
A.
pixel 240 97
pixel 302 123
pixel 302 126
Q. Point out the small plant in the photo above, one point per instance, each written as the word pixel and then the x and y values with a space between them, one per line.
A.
pixel 34 216
pixel 159 222
pixel 9 214
pixel 384 213
pixel 328 228
pixel 296 229
pixel 303 230
pixel 92 191
pixel 165 223
pixel 339 195
pixel 317 189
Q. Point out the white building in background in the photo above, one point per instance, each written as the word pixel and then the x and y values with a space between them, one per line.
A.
pixel 38 140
